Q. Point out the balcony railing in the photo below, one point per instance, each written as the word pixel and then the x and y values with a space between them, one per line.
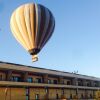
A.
pixel 26 84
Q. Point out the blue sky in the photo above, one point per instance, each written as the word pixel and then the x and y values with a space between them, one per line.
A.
pixel 75 44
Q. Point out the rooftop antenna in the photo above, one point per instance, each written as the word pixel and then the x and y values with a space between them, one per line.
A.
pixel 75 72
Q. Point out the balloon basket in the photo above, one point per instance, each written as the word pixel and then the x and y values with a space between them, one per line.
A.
pixel 34 58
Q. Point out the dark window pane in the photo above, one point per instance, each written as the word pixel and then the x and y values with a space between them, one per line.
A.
pixel 68 83
pixel 1 77
pixel 82 96
pixel 37 97
pixel 15 78
pixel 70 96
pixel 91 96
pixel 38 80
pixel 49 81
pixel 46 90
pixel 55 81
pixel 27 97
pixel 30 79
pixel 27 91
pixel 57 96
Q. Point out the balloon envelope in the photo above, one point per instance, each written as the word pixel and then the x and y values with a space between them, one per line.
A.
pixel 32 25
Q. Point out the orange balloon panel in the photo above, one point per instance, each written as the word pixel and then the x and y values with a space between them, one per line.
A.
pixel 32 25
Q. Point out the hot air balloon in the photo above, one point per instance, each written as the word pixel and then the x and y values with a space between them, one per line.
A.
pixel 32 25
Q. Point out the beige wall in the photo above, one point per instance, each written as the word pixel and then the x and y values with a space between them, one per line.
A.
pixel 34 91
pixel 52 93
pixel 80 92
pixel 14 74
pixel 73 92
pixel 3 75
pixel 67 93
pixel 12 93
pixel 18 93
pixel 66 80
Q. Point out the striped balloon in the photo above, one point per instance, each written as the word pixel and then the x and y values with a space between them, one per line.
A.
pixel 32 25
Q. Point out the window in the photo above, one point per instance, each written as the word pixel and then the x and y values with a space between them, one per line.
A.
pixel 88 84
pixel 68 83
pixel 62 91
pixel 15 78
pixel 57 96
pixel 30 80
pixel 82 96
pixel 91 96
pixel 27 97
pixel 63 82
pixel 46 90
pixel 55 81
pixel 96 84
pixel 49 81
pixel 37 97
pixel 38 80
pixel 27 93
pixel 1 77
pixel 70 96
pixel 80 83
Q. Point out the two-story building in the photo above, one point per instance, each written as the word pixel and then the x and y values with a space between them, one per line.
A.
pixel 21 82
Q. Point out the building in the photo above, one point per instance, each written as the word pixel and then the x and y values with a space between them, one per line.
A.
pixel 20 82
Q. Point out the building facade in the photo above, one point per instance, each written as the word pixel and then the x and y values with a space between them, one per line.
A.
pixel 20 82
